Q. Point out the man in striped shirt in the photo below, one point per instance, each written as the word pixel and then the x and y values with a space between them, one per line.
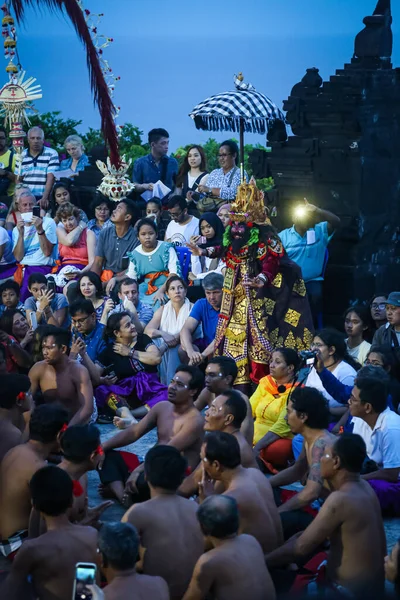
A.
pixel 38 165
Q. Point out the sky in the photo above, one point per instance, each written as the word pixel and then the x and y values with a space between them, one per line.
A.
pixel 171 54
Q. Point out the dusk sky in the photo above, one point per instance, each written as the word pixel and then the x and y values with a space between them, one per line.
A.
pixel 171 54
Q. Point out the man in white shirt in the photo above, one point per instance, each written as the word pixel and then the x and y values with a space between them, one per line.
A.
pixel 34 243
pixel 380 429
pixel 182 225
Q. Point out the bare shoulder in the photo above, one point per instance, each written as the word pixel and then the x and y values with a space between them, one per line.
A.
pixel 38 368
pixel 135 513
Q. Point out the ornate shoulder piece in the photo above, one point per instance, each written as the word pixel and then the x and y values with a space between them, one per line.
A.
pixel 275 247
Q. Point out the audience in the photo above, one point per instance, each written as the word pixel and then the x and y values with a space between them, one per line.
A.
pixel 39 163
pixel 61 193
pixel 154 210
pixel 223 183
pixel 8 160
pixel 378 310
pixel 356 325
pixel 102 210
pixel 9 296
pixel 128 296
pixel 77 160
pixel 15 407
pixel 192 173
pixel 13 322
pixel 80 253
pixel 7 260
pixel 89 340
pixel 50 308
pixel 389 333
pixel 182 225
pixel 224 214
pixel 156 166
pixel 89 288
pixel 212 230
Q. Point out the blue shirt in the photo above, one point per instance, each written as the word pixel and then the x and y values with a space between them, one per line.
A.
pixel 92 225
pixel 83 162
pixel 203 312
pixel 145 170
pixel 144 311
pixel 94 341
pixel 310 257
pixel 19 306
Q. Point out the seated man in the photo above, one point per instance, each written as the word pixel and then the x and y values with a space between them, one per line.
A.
pixel 221 372
pixel 128 294
pixel 307 414
pixel 170 536
pixel 259 516
pixel 50 308
pixel 387 334
pixel 205 313
pixel 15 403
pixel 178 424
pixel 9 296
pixel 182 225
pixel 350 518
pixel 17 469
pixel 45 565
pixel 89 340
pixel 34 243
pixel 236 563
pixel 119 548
pixel 226 413
pixel 114 243
pixel 379 427
pixel 64 380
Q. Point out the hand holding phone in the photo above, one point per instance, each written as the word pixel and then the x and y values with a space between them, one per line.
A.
pixel 85 575
pixel 36 211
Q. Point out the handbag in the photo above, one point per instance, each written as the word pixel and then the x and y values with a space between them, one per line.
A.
pixel 211 203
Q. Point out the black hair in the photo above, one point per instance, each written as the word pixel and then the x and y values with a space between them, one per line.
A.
pixel 236 406
pixel 219 516
pixel 114 324
pixel 156 201
pixel 197 377
pixel 351 450
pixel 7 319
pixel 364 314
pixel 291 357
pixel 130 209
pixel 233 147
pixel 51 491
pixel 311 402
pixel 11 385
pixel 224 448
pixel 36 278
pixel 373 383
pixel 145 221
pixel 156 134
pixel 127 281
pixel 165 467
pixel 3 130
pixel 84 306
pixel 79 442
pixel 10 284
pixel 177 201
pixel 61 336
pixel 333 337
pixel 66 184
pixel 119 545
pixel 46 423
pixel 93 278
pixel 386 354
pixel 98 201
pixel 226 365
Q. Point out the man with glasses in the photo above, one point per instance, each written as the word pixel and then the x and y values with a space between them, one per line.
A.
pixel 182 225
pixel 389 333
pixel 223 183
pixel 88 340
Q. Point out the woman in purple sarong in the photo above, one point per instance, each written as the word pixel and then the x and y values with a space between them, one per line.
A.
pixel 133 359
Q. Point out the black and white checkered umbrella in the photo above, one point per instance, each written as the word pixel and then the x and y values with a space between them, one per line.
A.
pixel 241 110
pixel 230 110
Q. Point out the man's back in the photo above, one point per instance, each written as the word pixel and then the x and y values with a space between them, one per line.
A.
pixel 238 570
pixel 170 537
pixel 51 558
pixel 16 471
pixel 358 546
pixel 257 509
pixel 10 436
pixel 137 587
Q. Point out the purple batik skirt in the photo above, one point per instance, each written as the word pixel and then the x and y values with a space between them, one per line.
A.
pixel 143 386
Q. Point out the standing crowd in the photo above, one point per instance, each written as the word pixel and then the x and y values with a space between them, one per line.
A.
pixel 109 315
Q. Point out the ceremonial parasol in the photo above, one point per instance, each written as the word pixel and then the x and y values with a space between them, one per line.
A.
pixel 243 109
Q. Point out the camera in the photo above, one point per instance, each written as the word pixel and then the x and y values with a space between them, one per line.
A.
pixel 196 196
pixel 308 357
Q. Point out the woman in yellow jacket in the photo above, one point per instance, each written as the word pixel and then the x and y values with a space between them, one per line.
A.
pixel 272 435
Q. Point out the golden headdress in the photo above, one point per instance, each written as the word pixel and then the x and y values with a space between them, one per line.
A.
pixel 249 205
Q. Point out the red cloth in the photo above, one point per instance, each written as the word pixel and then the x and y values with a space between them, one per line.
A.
pixel 258 371
pixel 277 455
pixel 77 489
pixel 130 459
pixel 288 494
pixel 313 572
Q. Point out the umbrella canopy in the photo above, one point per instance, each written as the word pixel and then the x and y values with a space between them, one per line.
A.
pixel 227 111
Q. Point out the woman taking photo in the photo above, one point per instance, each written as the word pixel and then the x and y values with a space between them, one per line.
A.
pixel 357 321
pixel 192 173
pixel 151 263
pixel 81 253
pixel 211 231
pixel 102 211
pixel 77 160
pixel 272 435
pixel 134 360
pixel 166 325
pixel 90 288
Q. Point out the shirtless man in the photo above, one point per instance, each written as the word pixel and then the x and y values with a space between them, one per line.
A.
pixel 62 379
pixel 351 519
pixel 178 424
pixel 15 401
pixel 236 563
pixel 308 414
pixel 226 413
pixel 49 560
pixel 259 516
pixel 170 538
pixel 221 373
pixel 17 469
pixel 119 546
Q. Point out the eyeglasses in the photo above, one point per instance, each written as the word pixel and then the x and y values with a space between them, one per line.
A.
pixel 175 215
pixel 224 155
pixel 80 321
pixel 373 363
pixel 315 345
pixel 380 306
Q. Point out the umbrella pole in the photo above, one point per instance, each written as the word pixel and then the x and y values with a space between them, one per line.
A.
pixel 241 149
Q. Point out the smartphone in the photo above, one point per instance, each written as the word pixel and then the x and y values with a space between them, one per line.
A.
pixel 124 263
pixel 108 370
pixel 85 574
pixel 36 211
pixel 33 320
pixel 202 240
pixel 51 284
